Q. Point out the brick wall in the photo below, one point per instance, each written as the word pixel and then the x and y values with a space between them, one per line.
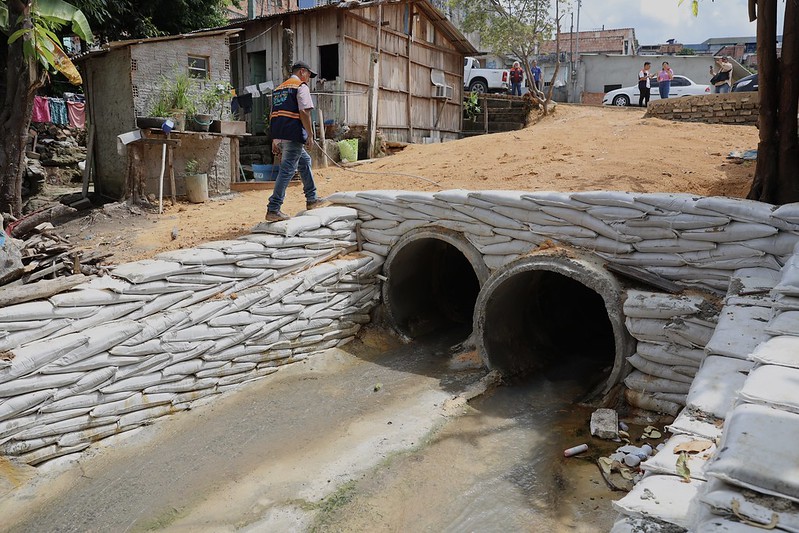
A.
pixel 733 108
pixel 153 62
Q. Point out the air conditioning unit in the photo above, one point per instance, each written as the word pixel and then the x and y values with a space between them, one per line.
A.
pixel 442 91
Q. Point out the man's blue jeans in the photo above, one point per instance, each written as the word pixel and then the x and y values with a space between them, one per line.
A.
pixel 516 88
pixel 294 157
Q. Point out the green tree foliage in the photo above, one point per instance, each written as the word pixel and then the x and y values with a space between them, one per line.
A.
pixel 121 19
pixel 509 27
pixel 687 52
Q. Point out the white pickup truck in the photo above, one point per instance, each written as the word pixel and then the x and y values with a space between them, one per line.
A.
pixel 483 80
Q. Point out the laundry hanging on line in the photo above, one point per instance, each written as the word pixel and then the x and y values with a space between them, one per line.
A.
pixel 77 114
pixel 58 111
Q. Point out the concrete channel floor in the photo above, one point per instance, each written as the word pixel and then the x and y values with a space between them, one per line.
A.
pixel 260 459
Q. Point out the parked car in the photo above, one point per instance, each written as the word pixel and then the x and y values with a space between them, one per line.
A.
pixel 749 83
pixel 484 80
pixel 680 86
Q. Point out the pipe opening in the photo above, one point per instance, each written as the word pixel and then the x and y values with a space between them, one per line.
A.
pixel 431 286
pixel 544 321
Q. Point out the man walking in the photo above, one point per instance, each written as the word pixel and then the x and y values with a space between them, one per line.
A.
pixel 292 133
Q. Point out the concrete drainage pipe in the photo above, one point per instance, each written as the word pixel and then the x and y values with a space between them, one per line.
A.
pixel 433 278
pixel 551 311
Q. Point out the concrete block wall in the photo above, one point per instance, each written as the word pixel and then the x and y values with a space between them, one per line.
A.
pixel 157 335
pixel 157 61
pixel 733 108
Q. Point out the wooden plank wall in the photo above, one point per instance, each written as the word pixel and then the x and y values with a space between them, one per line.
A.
pixel 406 110
pixel 397 118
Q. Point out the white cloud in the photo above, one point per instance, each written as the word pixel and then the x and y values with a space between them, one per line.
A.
pixel 655 21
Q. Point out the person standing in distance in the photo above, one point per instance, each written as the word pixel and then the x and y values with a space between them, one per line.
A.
pixel 721 78
pixel 292 133
pixel 516 79
pixel 535 70
pixel 664 80
pixel 643 85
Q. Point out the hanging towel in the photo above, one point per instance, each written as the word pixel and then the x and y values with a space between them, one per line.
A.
pixel 41 109
pixel 77 114
pixel 245 102
pixel 58 112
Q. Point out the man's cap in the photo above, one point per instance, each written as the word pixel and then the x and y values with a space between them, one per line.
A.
pixel 303 64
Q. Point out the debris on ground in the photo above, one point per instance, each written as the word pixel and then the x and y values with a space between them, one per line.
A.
pixel 605 424
pixel 745 155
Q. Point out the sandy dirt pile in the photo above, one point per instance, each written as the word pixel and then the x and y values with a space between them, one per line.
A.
pixel 578 148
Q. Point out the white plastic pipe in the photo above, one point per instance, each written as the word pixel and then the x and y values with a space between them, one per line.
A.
pixel 161 180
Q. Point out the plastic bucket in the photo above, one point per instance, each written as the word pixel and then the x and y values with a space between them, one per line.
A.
pixel 265 172
pixel 197 188
pixel 348 148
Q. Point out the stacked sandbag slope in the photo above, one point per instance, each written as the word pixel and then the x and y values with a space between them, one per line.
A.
pixel 120 351
pixel 684 471
pixel 672 331
pixel 753 481
pixel 695 241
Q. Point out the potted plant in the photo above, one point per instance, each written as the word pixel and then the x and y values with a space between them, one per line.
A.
pixel 159 112
pixel 179 99
pixel 211 102
pixel 216 99
pixel 196 182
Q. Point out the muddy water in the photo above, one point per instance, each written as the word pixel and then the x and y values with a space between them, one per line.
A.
pixel 497 467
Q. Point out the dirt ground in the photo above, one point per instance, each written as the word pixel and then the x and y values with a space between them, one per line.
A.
pixel 577 148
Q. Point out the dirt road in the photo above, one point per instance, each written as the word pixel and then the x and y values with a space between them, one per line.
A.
pixel 577 148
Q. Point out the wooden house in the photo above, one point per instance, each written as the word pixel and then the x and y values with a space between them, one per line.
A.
pixel 392 66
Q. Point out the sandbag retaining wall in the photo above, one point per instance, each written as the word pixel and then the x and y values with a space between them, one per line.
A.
pixel 191 312
pixel 120 351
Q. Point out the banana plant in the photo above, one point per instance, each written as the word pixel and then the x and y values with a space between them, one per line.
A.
pixel 39 39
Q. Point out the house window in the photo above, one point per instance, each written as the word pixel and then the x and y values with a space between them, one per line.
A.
pixel 198 67
pixel 328 61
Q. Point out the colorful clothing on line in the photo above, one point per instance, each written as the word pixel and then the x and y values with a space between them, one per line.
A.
pixel 58 111
pixel 41 109
pixel 77 114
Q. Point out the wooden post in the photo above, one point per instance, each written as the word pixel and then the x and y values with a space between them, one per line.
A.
pixel 87 169
pixel 374 87
pixel 321 115
pixel 170 168
pixel 485 112
pixel 410 66
pixel 234 159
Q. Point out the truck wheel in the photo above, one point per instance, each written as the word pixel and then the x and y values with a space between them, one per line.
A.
pixel 478 86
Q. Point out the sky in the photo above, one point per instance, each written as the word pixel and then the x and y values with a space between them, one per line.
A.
pixel 656 21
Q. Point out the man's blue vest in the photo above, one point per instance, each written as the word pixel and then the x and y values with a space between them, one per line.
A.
pixel 284 122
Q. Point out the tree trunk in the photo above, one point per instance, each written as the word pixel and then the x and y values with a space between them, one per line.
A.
pixel 787 189
pixel 765 184
pixel 23 78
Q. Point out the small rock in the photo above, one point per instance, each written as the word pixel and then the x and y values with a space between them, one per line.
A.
pixel 174 233
pixel 605 424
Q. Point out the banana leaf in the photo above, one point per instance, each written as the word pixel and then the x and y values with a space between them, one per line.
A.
pixel 60 11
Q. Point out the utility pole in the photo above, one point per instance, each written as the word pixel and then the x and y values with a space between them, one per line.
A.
pixel 571 58
pixel 577 50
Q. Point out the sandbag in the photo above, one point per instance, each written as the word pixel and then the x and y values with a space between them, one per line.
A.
pixel 738 208
pixel 17 404
pixel 755 441
pixel 682 374
pixel 642 304
pixel 647 401
pixel 740 330
pixel 31 357
pixel 641 382
pixel 150 270
pixel 716 384
pixel 91 381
